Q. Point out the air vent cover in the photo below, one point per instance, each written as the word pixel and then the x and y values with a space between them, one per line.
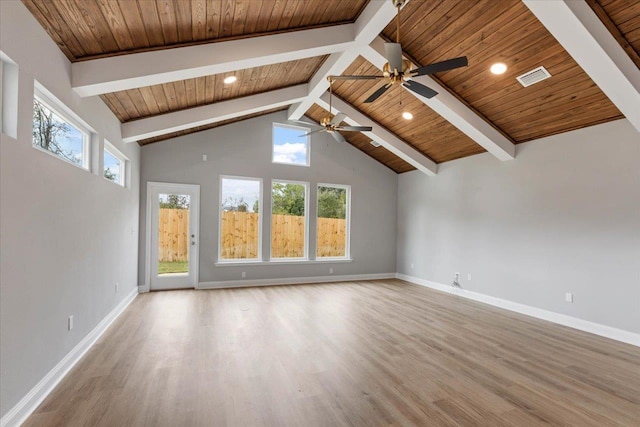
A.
pixel 375 144
pixel 534 76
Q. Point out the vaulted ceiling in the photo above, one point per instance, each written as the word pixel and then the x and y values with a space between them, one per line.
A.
pixel 160 65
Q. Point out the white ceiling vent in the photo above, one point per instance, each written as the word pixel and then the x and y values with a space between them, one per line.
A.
pixel 534 76
pixel 375 144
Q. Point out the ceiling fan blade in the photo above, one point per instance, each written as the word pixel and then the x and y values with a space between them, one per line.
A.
pixel 449 64
pixel 337 119
pixel 355 128
pixel 393 53
pixel 337 136
pixel 356 77
pixel 420 89
pixel 322 129
pixel 375 95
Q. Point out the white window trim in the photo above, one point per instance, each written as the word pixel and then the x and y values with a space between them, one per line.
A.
pixel 303 130
pixel 236 261
pixel 108 147
pixel 347 249
pixel 48 100
pixel 306 221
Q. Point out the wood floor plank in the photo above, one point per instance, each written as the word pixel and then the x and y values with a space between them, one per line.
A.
pixel 372 353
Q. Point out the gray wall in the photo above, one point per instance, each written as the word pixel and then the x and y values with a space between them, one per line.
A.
pixel 244 149
pixel 563 217
pixel 67 235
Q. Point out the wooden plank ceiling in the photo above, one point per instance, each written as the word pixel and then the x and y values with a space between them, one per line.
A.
pixel 158 99
pixel 88 29
pixel 486 31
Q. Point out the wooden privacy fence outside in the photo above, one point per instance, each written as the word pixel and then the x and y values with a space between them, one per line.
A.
pixel 173 235
pixel 239 236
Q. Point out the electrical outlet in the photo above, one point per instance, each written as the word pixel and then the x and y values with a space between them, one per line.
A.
pixel 70 322
pixel 412 265
pixel 244 274
pixel 331 270
pixel 469 277
pixel 117 286
pixel 204 158
pixel 568 297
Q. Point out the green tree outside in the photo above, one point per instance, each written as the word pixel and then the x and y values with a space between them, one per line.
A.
pixel 288 199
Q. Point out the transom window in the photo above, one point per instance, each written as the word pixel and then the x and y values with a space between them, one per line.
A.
pixel 57 133
pixel 290 145
pixel 114 168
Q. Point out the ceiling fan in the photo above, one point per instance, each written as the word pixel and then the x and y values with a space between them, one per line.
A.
pixel 332 124
pixel 398 70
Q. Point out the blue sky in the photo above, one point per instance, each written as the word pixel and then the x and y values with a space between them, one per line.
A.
pixel 112 164
pixel 289 146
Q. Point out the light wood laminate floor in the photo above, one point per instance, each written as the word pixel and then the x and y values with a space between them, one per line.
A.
pixel 375 353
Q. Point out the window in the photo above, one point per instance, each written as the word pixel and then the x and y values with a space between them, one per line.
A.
pixel 240 206
pixel 289 226
pixel 114 165
pixel 332 227
pixel 56 133
pixel 289 145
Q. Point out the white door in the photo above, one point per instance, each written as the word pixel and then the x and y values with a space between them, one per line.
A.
pixel 172 235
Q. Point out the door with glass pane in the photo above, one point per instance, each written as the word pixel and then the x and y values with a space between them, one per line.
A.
pixel 173 235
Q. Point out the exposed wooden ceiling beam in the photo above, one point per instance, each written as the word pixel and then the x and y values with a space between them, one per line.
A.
pixel 116 73
pixel 212 113
pixel 452 110
pixel 579 30
pixel 382 136
pixel 373 19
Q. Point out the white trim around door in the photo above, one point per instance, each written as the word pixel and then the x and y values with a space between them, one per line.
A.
pixel 154 281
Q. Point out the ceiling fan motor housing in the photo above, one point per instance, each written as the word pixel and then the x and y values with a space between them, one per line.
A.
pixel 398 3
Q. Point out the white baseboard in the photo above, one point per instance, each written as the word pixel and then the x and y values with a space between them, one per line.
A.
pixel 561 319
pixel 19 413
pixel 293 280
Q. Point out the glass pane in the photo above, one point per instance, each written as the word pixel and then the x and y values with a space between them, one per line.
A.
pixel 112 167
pixel 288 220
pixel 173 234
pixel 289 146
pixel 332 222
pixel 54 134
pixel 239 219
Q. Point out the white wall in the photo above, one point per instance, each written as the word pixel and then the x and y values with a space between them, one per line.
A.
pixel 244 149
pixel 68 235
pixel 564 216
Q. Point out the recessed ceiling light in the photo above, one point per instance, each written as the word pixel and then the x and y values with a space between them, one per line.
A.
pixel 230 79
pixel 407 115
pixel 498 68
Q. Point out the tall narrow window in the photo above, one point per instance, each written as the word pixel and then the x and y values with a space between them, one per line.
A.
pixel 289 224
pixel 332 227
pixel 240 208
pixel 290 145
pixel 56 133
pixel 114 165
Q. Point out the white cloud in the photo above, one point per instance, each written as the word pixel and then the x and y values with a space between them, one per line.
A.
pixel 290 148
pixel 284 158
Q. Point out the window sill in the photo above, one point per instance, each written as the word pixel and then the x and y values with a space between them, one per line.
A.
pixel 283 262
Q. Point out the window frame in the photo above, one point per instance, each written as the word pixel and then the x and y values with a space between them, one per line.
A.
pixel 260 225
pixel 60 110
pixel 347 249
pixel 301 128
pixel 307 186
pixel 113 151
